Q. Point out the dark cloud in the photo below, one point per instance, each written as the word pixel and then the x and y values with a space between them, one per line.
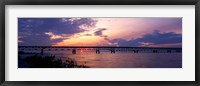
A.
pixel 38 40
pixel 161 38
pixel 32 30
pixel 99 32
pixel 154 38
pixel 55 25
pixel 87 34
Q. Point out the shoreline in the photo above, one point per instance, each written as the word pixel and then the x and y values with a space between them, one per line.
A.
pixel 50 61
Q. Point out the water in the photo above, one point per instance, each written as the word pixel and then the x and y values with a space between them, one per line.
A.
pixel 121 59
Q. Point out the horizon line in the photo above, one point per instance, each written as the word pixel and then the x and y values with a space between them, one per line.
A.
pixel 98 47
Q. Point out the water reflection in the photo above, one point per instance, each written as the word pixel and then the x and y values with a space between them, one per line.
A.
pixel 124 59
pixel 118 59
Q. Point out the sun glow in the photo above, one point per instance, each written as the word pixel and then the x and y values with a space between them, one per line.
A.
pixel 83 41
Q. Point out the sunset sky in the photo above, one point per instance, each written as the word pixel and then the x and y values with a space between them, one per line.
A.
pixel 135 32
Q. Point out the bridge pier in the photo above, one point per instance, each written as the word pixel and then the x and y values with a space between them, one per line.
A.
pixel 112 50
pixel 135 51
pixel 97 51
pixel 169 51
pixel 178 51
pixel 155 51
pixel 42 51
pixel 74 51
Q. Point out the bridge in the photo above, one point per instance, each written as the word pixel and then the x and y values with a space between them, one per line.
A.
pixel 98 49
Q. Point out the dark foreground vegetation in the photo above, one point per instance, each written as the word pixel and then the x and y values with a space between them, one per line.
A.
pixel 38 61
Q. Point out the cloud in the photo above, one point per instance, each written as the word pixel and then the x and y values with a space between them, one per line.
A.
pixel 99 32
pixel 87 34
pixel 167 45
pixel 34 31
pixel 161 38
pixel 55 25
pixel 53 36
pixel 145 44
pixel 36 39
pixel 152 39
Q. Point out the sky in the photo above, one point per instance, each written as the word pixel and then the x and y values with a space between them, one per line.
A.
pixel 131 32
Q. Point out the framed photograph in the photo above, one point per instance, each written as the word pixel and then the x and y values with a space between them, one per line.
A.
pixel 55 42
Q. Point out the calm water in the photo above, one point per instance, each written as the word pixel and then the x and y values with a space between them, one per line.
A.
pixel 122 59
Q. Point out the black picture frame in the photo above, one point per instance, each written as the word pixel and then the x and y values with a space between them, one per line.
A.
pixel 98 2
